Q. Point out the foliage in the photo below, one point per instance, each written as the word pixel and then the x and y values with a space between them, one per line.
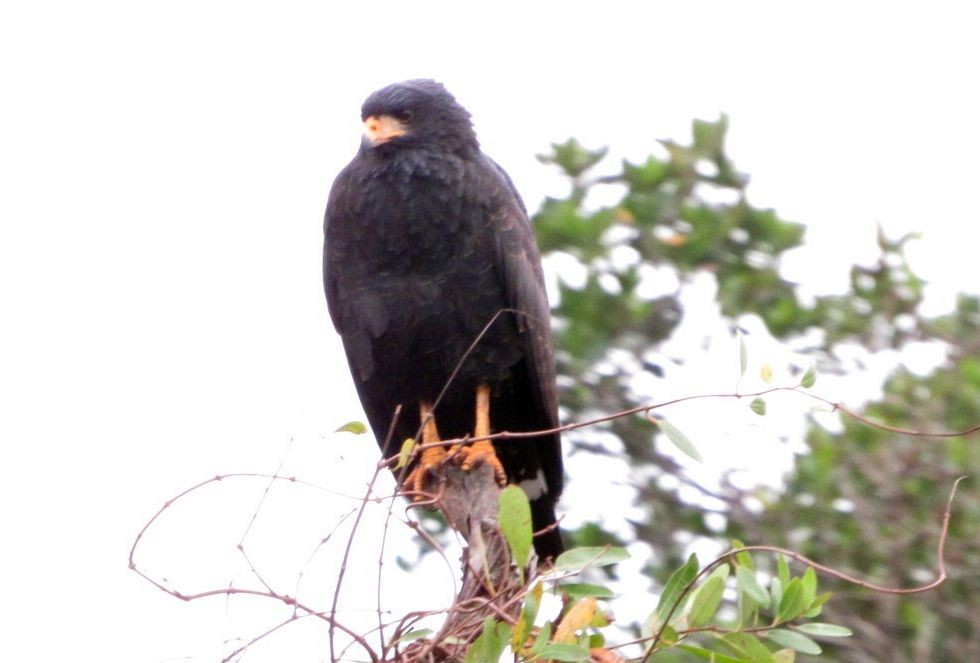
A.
pixel 761 625
pixel 864 498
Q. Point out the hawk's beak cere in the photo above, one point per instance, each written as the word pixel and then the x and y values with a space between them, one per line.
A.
pixel 381 129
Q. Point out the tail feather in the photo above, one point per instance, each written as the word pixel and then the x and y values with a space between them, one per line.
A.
pixel 548 545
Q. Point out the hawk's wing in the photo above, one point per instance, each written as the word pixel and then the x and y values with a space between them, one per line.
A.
pixel 519 264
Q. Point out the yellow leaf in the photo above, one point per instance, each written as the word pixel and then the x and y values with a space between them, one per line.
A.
pixel 579 616
pixel 406 452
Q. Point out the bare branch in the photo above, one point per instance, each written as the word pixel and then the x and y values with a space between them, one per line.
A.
pixel 645 409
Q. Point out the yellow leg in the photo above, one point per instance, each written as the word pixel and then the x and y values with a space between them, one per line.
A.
pixel 482 451
pixel 432 457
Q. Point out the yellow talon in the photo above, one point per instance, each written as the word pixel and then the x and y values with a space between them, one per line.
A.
pixel 470 456
pixel 432 457
pixel 482 451
pixel 430 461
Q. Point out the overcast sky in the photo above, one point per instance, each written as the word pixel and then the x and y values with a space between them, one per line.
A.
pixel 164 168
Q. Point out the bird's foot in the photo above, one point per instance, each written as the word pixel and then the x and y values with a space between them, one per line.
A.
pixel 430 462
pixel 482 451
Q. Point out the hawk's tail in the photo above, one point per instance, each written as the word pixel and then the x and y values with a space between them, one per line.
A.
pixel 547 544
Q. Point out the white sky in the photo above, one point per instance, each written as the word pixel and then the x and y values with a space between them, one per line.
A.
pixel 164 168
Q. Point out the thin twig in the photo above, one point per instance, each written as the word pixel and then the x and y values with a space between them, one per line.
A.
pixel 509 435
pixel 259 637
pixel 284 598
pixel 384 534
pixel 459 365
pixel 255 515
pixel 343 563
pixel 323 541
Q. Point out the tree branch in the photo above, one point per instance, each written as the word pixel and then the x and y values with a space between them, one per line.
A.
pixel 470 502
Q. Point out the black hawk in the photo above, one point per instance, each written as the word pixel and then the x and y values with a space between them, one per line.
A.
pixel 427 242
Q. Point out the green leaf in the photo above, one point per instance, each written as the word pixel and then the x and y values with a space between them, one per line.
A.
pixel 417 634
pixel 542 639
pixel 748 610
pixel 784 656
pixel 515 523
pixel 645 175
pixel 775 594
pixel 601 619
pixel 709 137
pixel 743 558
pixel 676 584
pixel 809 378
pixel 823 630
pixel 503 637
pixel 532 602
pixel 758 406
pixel 590 557
pixel 678 439
pixel 748 584
pixel 581 589
pixel 709 655
pixel 572 157
pixel 793 603
pixel 405 453
pixel 816 607
pixel 355 427
pixel 782 568
pixel 809 585
pixel 669 636
pixel 794 640
pixel 562 652
pixel 748 647
pixel 705 603
pixel 477 653
pixel 490 645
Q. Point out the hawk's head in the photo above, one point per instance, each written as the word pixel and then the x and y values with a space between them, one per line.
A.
pixel 417 113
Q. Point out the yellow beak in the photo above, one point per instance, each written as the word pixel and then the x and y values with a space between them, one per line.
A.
pixel 381 129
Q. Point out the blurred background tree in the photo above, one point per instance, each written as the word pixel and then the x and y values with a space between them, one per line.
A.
pixel 859 498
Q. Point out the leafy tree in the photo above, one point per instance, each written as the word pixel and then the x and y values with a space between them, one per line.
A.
pixel 864 499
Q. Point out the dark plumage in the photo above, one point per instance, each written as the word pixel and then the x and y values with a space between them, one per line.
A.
pixel 426 239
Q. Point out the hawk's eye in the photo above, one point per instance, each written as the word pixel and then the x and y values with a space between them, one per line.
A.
pixel 404 115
